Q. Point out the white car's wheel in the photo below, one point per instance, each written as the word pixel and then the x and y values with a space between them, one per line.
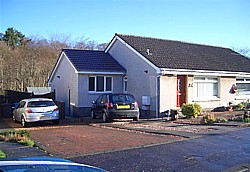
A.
pixel 14 119
pixel 24 123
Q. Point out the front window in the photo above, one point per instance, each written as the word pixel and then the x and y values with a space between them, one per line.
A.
pixel 100 84
pixel 243 87
pixel 205 87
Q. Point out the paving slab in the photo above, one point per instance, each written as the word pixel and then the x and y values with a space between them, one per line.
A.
pixel 153 131
pixel 17 150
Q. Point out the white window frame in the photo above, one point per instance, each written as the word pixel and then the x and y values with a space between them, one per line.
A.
pixel 95 84
pixel 205 79
pixel 242 81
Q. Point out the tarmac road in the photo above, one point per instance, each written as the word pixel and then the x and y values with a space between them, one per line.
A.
pixel 216 152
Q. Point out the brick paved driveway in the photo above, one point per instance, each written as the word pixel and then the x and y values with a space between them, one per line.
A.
pixel 73 138
pixel 78 140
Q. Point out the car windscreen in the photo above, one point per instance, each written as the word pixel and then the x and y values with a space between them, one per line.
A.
pixel 41 104
pixel 123 98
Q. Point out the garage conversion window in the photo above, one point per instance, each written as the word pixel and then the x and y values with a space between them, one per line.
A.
pixel 205 88
pixel 100 83
pixel 243 86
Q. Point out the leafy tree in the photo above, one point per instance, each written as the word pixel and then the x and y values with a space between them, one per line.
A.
pixel 14 38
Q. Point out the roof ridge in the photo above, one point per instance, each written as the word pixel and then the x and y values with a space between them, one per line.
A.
pixel 185 42
pixel 73 49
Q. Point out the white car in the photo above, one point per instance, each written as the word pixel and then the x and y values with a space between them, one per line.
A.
pixel 44 164
pixel 36 109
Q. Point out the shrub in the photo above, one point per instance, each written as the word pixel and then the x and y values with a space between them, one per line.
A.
pixel 191 110
pixel 208 119
pixel 19 136
pixel 221 120
pixel 27 142
pixel 246 120
pixel 2 154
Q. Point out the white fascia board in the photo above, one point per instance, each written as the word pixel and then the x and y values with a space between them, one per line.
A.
pixel 158 70
pixel 101 73
pixel 57 65
pixel 165 71
pixel 110 44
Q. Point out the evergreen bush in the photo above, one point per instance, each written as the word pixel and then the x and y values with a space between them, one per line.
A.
pixel 191 110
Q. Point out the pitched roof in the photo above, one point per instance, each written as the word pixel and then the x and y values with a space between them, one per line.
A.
pixel 93 61
pixel 181 55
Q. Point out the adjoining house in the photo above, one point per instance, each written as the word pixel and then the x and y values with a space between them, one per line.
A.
pixel 79 77
pixel 161 74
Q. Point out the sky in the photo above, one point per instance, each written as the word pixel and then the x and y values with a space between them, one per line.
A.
pixel 224 23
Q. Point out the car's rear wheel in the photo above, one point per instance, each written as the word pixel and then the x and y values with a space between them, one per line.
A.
pixel 136 119
pixel 24 123
pixel 93 116
pixel 105 117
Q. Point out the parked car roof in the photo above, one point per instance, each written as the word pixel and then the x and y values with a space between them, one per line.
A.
pixel 37 99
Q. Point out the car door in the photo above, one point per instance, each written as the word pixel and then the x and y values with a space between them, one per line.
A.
pixel 96 108
pixel 103 103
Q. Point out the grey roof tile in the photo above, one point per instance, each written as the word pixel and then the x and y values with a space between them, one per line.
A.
pixel 93 61
pixel 181 55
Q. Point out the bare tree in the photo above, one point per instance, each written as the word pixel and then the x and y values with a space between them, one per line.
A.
pixel 245 51
pixel 30 64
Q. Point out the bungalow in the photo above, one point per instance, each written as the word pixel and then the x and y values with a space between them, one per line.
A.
pixel 161 74
pixel 79 76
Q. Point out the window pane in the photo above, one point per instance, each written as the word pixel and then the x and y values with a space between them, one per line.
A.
pixel 100 83
pixel 91 83
pixel 209 88
pixel 243 89
pixel 108 83
pixel 199 79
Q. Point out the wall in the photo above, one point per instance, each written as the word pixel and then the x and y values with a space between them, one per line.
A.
pixel 225 83
pixel 65 79
pixel 141 75
pixel 85 99
pixel 168 96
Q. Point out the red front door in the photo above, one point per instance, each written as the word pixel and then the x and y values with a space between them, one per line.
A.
pixel 181 90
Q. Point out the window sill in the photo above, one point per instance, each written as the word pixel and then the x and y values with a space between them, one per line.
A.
pixel 242 97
